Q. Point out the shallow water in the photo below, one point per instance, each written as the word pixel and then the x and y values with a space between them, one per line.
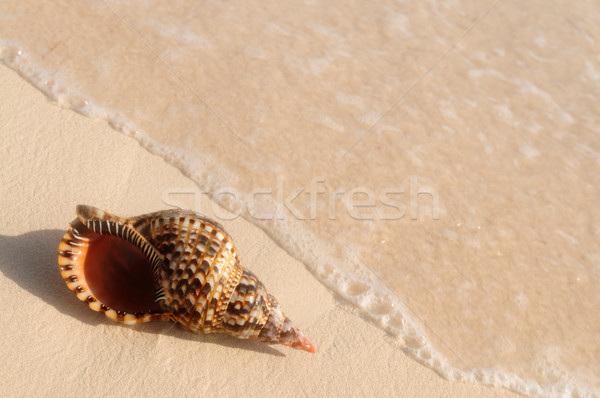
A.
pixel 437 164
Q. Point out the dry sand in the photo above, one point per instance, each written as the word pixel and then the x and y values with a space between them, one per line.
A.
pixel 53 345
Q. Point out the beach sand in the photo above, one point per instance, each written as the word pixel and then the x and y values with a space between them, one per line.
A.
pixel 54 345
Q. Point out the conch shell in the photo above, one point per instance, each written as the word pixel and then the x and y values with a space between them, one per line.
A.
pixel 171 265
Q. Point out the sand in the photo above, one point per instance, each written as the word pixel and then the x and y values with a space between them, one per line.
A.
pixel 53 345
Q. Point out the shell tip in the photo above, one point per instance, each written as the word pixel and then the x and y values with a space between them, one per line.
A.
pixel 302 343
pixel 310 348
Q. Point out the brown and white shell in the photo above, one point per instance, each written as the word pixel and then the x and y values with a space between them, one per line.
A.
pixel 170 265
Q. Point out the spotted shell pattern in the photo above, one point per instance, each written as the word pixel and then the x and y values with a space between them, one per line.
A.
pixel 198 280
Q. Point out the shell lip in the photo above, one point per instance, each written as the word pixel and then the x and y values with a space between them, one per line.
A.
pixel 92 264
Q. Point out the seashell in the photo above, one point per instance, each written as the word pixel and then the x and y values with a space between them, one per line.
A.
pixel 171 265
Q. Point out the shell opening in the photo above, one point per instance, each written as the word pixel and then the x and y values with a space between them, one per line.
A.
pixel 119 275
pixel 108 272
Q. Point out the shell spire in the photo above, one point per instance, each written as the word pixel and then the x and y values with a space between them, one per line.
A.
pixel 170 265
